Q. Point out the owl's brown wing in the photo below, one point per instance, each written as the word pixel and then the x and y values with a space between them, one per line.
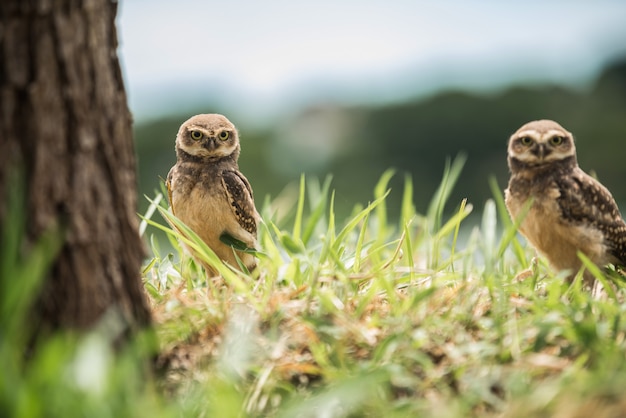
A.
pixel 583 200
pixel 241 200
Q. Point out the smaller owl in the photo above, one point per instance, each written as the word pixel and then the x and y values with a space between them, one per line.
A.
pixel 208 192
pixel 570 210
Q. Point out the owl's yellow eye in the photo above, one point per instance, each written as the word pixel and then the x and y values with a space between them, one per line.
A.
pixel 556 140
pixel 526 140
pixel 223 135
pixel 196 135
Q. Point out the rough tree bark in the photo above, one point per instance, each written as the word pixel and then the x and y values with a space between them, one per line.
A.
pixel 64 117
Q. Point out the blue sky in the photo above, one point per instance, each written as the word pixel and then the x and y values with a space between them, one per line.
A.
pixel 264 56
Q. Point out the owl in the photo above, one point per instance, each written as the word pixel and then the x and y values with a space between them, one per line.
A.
pixel 208 192
pixel 570 211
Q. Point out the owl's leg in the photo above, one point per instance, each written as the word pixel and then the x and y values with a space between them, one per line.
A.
pixel 598 291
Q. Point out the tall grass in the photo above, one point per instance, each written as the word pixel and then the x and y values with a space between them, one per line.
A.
pixel 367 316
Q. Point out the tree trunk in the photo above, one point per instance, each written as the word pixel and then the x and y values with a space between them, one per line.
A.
pixel 65 119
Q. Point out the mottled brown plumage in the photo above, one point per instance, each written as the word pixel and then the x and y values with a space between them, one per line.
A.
pixel 571 211
pixel 206 190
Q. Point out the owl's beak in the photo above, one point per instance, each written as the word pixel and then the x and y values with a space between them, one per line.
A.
pixel 541 151
pixel 210 144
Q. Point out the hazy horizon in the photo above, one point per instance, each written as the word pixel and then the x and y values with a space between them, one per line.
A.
pixel 257 59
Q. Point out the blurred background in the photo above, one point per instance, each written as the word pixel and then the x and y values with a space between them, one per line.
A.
pixel 352 88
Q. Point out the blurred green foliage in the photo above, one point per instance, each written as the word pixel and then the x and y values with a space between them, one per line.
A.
pixel 62 373
pixel 356 144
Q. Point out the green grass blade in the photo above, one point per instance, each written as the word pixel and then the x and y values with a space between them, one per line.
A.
pixel 358 251
pixel 318 211
pixel 510 227
pixel 297 224
pixel 151 209
pixel 452 225
pixel 354 222
pixel 407 211
pixel 330 237
pixel 455 237
pixel 451 174
pixel 22 267
pixel 382 189
pixel 598 274
pixel 510 234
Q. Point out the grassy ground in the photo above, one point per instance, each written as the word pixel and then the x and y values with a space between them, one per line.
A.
pixel 349 318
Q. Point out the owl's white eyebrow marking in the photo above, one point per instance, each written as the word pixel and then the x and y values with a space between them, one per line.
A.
pixel 199 128
pixel 530 132
pixel 553 132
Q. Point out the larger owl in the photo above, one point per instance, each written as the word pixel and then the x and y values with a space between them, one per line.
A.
pixel 208 192
pixel 570 210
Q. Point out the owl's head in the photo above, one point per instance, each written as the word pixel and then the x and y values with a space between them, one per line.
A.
pixel 539 143
pixel 209 136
